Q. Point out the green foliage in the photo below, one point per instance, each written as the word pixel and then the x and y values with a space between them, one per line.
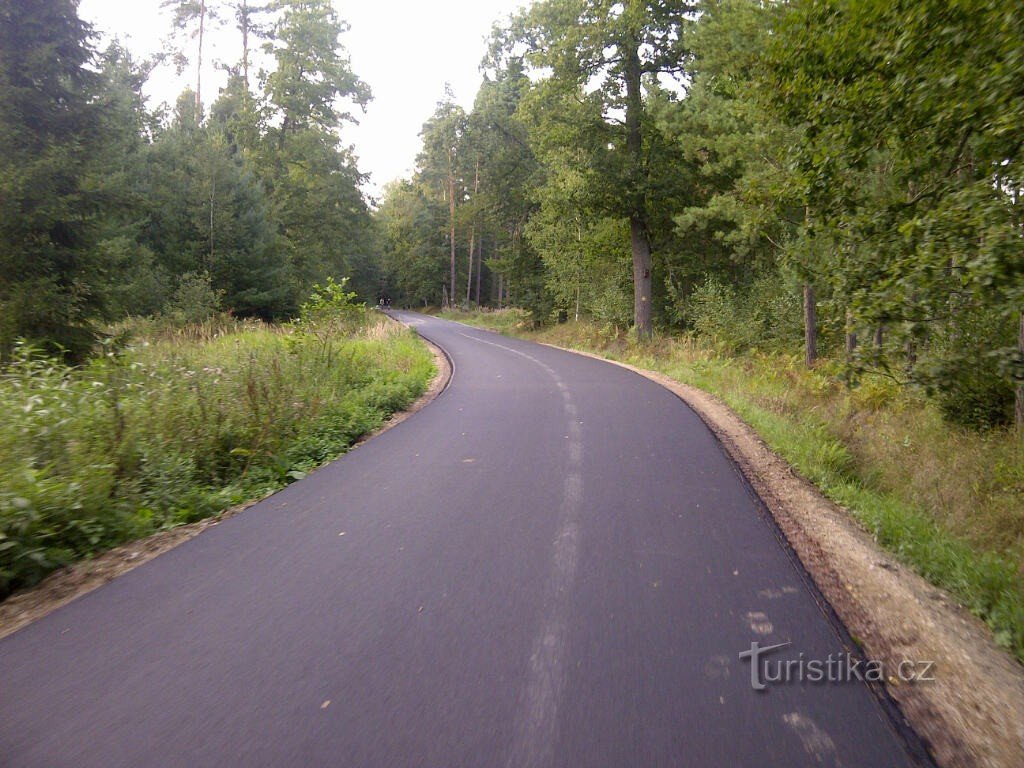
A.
pixel 910 164
pixel 963 373
pixel 312 71
pixel 765 314
pixel 411 223
pixel 195 299
pixel 108 207
pixel 332 307
pixel 49 125
pixel 175 428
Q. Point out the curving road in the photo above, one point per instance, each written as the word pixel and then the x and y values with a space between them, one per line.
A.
pixel 553 564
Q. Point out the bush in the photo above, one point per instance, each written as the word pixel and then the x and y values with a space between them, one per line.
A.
pixel 195 299
pixel 331 307
pixel 969 382
pixel 765 314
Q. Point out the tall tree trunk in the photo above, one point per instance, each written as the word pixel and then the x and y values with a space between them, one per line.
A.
pixel 810 325
pixel 501 287
pixel 879 336
pixel 472 236
pixel 641 278
pixel 638 235
pixel 469 275
pixel 579 267
pixel 199 61
pixel 244 21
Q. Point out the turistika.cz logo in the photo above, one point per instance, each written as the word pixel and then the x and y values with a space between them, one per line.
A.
pixel 836 668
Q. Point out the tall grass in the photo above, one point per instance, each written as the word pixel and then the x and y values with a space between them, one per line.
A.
pixel 180 424
pixel 947 501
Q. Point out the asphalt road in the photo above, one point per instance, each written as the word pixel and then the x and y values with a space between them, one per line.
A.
pixel 553 564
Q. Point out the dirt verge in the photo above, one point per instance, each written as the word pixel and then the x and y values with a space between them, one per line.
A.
pixel 70 583
pixel 972 714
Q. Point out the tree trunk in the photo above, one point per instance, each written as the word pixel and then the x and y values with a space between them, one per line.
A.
pixel 910 352
pixel 810 325
pixel 851 335
pixel 879 336
pixel 245 43
pixel 641 279
pixel 501 287
pixel 639 240
pixel 199 61
pixel 469 275
pixel 472 237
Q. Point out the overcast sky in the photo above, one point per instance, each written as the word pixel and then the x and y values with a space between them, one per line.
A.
pixel 404 49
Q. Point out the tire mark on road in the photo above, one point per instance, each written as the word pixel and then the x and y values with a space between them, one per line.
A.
pixel 535 732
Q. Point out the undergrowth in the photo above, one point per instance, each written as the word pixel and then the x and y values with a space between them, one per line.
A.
pixel 170 425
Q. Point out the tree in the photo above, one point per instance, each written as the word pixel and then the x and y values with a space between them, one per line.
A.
pixel 49 126
pixel 249 28
pixel 411 226
pixel 743 213
pixel 497 142
pixel 911 159
pixel 129 279
pixel 439 165
pixel 313 73
pixel 192 17
pixel 312 179
pixel 605 55
pixel 209 215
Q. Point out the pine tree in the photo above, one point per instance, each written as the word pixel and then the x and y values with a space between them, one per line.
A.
pixel 48 128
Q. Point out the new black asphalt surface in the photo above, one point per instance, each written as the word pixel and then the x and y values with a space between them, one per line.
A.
pixel 553 564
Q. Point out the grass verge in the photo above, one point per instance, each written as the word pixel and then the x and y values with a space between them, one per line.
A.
pixel 946 501
pixel 178 425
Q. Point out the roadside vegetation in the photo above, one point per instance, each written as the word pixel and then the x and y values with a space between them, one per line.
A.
pixel 173 422
pixel 946 501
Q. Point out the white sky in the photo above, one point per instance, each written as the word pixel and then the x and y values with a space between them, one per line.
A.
pixel 404 49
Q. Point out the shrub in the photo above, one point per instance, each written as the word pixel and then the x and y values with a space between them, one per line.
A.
pixel 765 314
pixel 968 382
pixel 195 299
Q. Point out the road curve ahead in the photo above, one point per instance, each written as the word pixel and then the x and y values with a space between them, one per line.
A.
pixel 553 564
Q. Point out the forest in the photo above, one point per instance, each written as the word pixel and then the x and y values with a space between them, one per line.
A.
pixel 837 179
pixel 237 204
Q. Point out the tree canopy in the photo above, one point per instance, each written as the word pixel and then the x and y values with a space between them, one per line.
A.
pixel 110 208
